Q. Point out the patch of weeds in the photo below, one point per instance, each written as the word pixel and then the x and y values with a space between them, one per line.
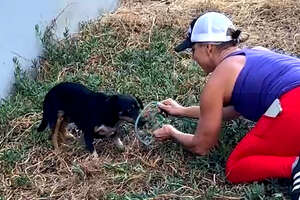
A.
pixel 76 169
pixel 10 157
pixel 211 193
pixel 201 163
pixel 27 98
pixel 39 138
pixel 113 196
pixel 232 133
pixel 149 71
pixel 173 183
pixel 110 40
pixel 214 162
pixel 68 51
pixel 121 171
pixel 277 188
pixel 92 81
pixel 26 86
pixel 184 124
pixel 118 167
pixel 7 109
pixel 255 192
pixel 21 181
pixel 162 186
pixel 129 196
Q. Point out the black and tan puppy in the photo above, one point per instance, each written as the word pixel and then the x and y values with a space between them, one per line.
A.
pixel 96 114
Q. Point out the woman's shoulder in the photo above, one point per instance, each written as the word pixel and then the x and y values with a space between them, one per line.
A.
pixel 260 48
pixel 230 66
pixel 226 73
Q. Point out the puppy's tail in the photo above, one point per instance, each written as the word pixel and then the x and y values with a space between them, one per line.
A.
pixel 43 125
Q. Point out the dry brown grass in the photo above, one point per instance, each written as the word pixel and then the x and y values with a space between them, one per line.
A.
pixel 270 23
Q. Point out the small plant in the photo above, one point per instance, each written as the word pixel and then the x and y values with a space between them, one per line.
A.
pixel 211 192
pixel 255 192
pixel 21 181
pixel 41 139
pixel 113 196
pixel 10 157
pixel 76 169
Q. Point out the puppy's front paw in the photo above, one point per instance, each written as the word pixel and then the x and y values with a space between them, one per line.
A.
pixel 121 148
pixel 81 140
pixel 69 136
pixel 94 155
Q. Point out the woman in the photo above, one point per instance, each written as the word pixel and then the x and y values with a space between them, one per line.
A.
pixel 258 84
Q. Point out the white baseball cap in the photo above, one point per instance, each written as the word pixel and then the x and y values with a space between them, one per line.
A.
pixel 212 27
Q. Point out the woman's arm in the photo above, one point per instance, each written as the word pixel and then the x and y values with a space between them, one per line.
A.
pixel 210 113
pixel 209 122
pixel 228 112
pixel 174 108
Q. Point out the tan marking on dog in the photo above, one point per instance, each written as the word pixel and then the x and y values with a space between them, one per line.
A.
pixel 64 133
pixel 95 154
pixel 55 134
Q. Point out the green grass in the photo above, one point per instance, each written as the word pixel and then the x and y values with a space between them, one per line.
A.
pixel 21 181
pixel 10 157
pixel 151 72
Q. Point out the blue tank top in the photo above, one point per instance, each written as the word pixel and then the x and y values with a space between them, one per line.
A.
pixel 266 76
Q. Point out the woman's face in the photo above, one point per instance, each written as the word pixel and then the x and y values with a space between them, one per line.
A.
pixel 201 54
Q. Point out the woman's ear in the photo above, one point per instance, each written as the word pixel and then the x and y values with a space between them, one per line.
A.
pixel 211 50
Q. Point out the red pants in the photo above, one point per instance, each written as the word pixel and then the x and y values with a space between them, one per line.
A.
pixel 271 147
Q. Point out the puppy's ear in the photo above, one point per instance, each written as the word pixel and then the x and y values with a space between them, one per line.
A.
pixel 140 102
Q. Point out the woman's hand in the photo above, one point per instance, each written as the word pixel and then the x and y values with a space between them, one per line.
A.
pixel 164 133
pixel 171 107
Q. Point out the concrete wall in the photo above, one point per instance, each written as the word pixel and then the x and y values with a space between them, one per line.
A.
pixel 17 28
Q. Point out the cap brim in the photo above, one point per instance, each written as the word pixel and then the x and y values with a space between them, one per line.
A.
pixel 184 45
